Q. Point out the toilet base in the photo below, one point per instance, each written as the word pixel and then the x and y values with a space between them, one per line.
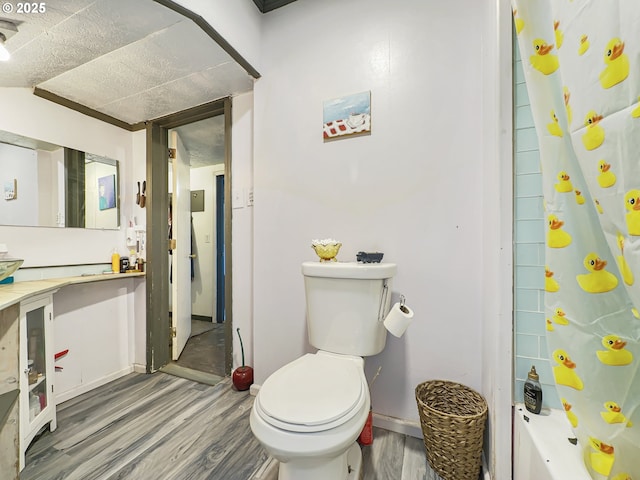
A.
pixel 347 466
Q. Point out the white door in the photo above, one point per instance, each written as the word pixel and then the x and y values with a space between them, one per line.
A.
pixel 181 257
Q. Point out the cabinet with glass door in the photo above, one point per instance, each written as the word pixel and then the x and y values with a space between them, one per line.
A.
pixel 37 408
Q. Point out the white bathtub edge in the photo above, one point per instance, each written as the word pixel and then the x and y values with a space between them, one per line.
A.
pixel 542 449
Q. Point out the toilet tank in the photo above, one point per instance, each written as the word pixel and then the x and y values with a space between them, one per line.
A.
pixel 346 305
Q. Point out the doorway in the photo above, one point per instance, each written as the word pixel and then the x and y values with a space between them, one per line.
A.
pixel 196 210
pixel 208 291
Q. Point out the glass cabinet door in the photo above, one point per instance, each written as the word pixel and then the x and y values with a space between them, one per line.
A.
pixel 36 362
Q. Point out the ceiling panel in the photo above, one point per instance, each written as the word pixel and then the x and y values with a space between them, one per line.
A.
pixel 204 140
pixel 140 66
pixel 196 89
pixel 56 45
pixel 133 60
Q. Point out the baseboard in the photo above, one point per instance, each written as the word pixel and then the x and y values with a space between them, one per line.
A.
pixel 254 389
pixel 138 368
pixel 86 387
pixel 486 475
pixel 398 425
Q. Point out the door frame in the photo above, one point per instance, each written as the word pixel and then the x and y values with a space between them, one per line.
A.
pixel 158 353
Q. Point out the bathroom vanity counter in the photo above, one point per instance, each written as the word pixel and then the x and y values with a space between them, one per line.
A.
pixel 17 292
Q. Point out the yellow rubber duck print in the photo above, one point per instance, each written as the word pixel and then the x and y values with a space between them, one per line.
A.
pixel 558 33
pixel 564 373
pixel 598 206
pixel 635 113
pixel 617 64
pixel 579 197
pixel 550 285
pixel 573 419
pixel 635 313
pixel 602 458
pixel 615 353
pixel 613 414
pixel 598 280
pixel 560 317
pixel 542 60
pixel 606 178
pixel 584 45
pixel 594 135
pixel 567 96
pixel 564 183
pixel 554 126
pixel 556 237
pixel 623 266
pixel 632 204
pixel 519 23
pixel 549 326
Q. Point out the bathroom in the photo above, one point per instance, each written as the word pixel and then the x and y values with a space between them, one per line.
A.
pixel 433 203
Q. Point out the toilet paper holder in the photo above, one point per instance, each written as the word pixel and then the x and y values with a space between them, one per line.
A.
pixel 402 305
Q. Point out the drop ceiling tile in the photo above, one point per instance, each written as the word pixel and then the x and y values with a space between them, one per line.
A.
pixel 154 60
pixel 187 92
pixel 101 27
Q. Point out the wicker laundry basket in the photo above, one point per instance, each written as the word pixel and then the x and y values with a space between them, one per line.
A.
pixel 453 418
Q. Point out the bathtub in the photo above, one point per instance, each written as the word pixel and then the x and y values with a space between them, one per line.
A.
pixel 541 449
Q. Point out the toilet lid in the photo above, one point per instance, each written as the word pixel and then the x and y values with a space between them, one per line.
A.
pixel 312 392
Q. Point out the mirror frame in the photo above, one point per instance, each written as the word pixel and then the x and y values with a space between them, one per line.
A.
pixel 74 182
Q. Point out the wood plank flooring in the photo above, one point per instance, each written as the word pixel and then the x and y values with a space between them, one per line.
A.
pixel 158 426
pixel 204 350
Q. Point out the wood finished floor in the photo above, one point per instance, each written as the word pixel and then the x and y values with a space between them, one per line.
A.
pixel 159 426
pixel 204 350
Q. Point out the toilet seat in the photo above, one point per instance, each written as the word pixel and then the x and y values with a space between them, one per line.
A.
pixel 316 392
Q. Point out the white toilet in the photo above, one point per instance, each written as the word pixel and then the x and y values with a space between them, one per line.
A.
pixel 309 413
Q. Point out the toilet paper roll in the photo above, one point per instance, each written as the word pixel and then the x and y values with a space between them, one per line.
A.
pixel 398 319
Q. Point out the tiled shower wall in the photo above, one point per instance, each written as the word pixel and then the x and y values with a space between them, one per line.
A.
pixel 530 344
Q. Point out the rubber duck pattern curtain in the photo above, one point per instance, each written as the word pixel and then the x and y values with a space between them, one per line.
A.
pixel 582 68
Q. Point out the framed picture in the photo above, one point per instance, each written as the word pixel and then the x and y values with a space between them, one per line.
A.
pixel 107 192
pixel 11 189
pixel 347 116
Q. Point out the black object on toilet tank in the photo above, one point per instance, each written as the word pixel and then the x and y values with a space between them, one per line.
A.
pixel 369 257
pixel 124 264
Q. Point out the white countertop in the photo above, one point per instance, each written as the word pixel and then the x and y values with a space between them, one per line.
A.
pixel 12 293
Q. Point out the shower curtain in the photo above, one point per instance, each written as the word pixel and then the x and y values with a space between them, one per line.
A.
pixel 581 60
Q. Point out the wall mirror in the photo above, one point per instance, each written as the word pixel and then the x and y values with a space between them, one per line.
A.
pixel 47 185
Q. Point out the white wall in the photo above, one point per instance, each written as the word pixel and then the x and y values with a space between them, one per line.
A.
pixel 242 233
pixel 94 321
pixel 237 21
pixel 497 285
pixel 203 286
pixel 35 117
pixel 411 189
pixel 414 189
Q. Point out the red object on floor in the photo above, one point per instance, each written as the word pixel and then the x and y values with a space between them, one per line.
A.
pixel 242 377
pixel 366 436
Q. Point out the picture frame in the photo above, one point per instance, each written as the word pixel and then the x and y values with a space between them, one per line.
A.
pixel 347 116
pixel 107 192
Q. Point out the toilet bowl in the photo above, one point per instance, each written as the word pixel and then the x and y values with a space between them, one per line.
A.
pixel 310 412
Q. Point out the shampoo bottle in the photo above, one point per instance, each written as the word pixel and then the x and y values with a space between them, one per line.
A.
pixel 115 261
pixel 533 392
